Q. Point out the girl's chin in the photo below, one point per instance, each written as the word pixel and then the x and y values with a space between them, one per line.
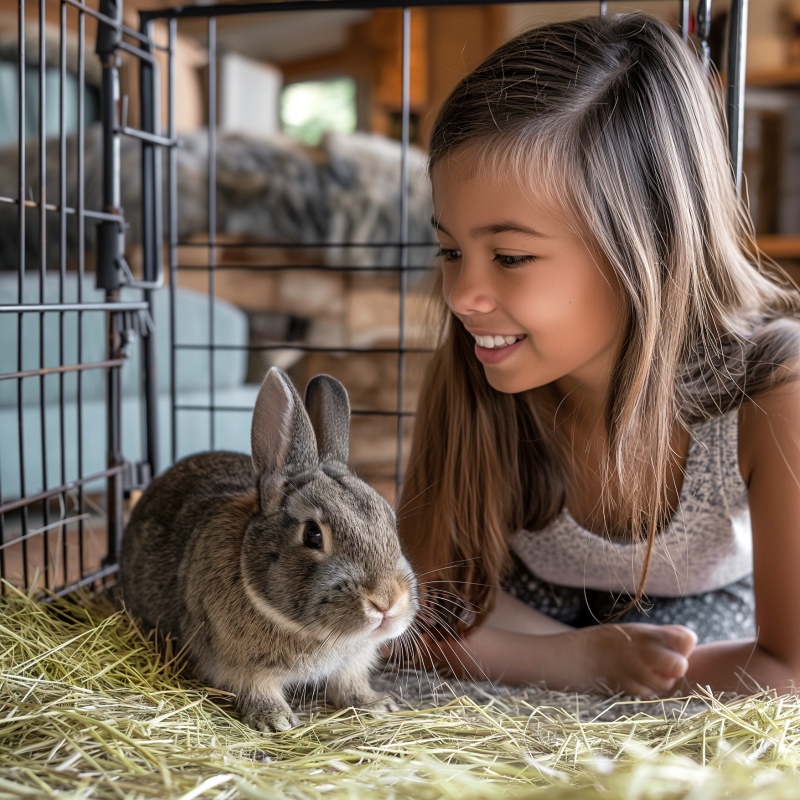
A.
pixel 508 382
pixel 504 373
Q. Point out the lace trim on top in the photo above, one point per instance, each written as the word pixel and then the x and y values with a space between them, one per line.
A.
pixel 707 545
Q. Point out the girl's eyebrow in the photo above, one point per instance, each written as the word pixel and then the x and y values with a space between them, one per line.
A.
pixel 497 227
pixel 507 227
pixel 438 227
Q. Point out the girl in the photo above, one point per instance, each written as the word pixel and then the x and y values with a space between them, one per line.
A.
pixel 610 429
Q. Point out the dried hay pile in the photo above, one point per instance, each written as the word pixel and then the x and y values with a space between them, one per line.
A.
pixel 87 710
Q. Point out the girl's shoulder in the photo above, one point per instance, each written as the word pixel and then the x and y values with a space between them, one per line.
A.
pixel 769 421
pixel 769 454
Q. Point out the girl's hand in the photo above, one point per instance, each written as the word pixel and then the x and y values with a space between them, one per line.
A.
pixel 635 658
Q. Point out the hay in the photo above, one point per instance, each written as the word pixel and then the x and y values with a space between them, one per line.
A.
pixel 87 710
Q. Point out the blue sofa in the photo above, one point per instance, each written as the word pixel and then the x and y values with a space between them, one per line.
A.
pixel 232 428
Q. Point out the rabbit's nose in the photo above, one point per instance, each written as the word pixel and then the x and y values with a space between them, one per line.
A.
pixel 379 612
pixel 388 612
pixel 377 609
pixel 380 605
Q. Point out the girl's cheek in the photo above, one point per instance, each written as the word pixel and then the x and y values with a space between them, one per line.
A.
pixel 449 278
pixel 446 292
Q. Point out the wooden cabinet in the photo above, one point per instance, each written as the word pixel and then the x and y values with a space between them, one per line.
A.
pixel 770 96
pixel 773 171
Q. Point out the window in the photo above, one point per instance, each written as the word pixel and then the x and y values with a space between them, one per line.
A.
pixel 310 108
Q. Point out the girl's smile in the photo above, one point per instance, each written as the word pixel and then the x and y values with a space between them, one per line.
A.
pixel 540 306
pixel 492 349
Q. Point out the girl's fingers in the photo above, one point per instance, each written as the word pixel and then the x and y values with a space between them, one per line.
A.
pixel 663 654
pixel 652 684
pixel 671 666
pixel 645 691
pixel 679 638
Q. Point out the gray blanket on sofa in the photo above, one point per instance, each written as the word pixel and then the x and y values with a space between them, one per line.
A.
pixel 347 190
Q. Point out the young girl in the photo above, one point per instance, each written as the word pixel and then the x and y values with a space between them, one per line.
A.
pixel 604 487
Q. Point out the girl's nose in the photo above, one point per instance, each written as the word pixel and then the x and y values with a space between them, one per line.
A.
pixel 467 290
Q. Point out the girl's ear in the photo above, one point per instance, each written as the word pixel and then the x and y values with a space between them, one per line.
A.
pixel 281 433
pixel 329 411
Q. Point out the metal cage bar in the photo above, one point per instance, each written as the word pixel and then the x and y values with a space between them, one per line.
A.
pixel 737 53
pixel 404 190
pixel 212 215
pixel 21 271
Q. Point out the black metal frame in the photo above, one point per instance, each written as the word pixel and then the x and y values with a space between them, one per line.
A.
pixel 113 273
pixel 120 316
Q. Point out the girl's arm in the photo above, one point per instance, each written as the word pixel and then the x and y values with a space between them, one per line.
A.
pixel 510 614
pixel 769 454
pixel 517 645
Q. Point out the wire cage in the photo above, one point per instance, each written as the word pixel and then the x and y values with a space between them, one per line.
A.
pixel 64 332
pixel 124 243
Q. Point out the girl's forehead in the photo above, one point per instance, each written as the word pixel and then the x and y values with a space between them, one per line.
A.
pixel 459 184
pixel 539 182
pixel 452 178
pixel 466 168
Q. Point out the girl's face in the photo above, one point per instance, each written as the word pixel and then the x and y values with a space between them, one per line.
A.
pixel 541 307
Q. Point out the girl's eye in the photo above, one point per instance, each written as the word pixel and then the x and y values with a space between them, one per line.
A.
pixel 448 254
pixel 512 261
pixel 312 537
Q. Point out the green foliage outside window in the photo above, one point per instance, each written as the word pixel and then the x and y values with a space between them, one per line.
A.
pixel 311 108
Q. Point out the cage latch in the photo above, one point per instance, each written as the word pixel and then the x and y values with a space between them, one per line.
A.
pixel 136 476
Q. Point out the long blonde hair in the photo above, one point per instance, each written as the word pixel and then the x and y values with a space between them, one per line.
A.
pixel 614 121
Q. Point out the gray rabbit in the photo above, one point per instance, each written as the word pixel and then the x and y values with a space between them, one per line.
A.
pixel 273 572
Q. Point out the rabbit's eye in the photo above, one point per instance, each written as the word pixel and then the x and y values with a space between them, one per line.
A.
pixel 312 536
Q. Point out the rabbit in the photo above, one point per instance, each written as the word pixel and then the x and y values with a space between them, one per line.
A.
pixel 276 571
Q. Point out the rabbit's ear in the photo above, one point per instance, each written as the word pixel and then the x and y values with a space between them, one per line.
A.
pixel 281 432
pixel 329 411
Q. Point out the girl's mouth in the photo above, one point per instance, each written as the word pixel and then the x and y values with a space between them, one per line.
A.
pixel 496 342
pixel 494 349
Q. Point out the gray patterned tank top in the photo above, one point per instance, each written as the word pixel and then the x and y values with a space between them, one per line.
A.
pixel 707 545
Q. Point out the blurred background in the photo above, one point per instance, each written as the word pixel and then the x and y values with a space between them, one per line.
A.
pixel 295 230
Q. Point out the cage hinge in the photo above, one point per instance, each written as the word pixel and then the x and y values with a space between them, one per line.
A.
pixel 111 269
pixel 109 37
pixel 130 325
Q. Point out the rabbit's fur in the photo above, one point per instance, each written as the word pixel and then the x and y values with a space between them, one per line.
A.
pixel 220 554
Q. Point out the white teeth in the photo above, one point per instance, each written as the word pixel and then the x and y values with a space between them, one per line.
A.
pixel 490 342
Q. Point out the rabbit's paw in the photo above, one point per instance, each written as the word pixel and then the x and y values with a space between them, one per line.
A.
pixel 384 704
pixel 269 715
pixel 352 690
pixel 375 702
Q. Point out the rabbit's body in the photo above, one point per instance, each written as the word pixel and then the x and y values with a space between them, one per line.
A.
pixel 286 575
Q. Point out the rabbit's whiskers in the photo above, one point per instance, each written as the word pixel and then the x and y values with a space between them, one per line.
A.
pixel 466 671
